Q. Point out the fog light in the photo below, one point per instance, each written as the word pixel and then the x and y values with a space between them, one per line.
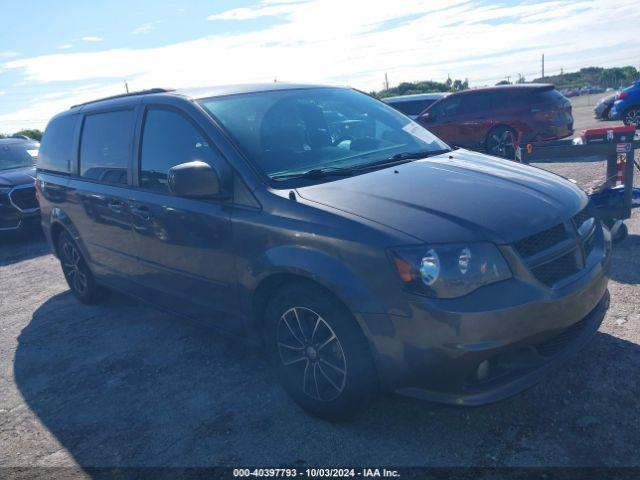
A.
pixel 483 370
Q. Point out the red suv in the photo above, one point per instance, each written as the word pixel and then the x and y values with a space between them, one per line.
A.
pixel 489 119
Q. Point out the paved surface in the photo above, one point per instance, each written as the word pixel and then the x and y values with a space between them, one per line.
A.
pixel 122 384
pixel 583 112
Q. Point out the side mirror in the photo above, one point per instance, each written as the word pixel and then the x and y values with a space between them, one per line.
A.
pixel 194 179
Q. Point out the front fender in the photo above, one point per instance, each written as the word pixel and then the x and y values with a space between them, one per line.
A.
pixel 318 266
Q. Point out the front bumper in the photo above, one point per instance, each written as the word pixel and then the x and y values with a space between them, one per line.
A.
pixel 600 110
pixel 15 215
pixel 490 344
pixel 616 111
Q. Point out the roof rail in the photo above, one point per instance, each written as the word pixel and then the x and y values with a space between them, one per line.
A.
pixel 123 95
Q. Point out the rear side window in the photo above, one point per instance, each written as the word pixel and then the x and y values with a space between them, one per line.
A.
pixel 169 139
pixel 105 147
pixel 56 148
pixel 548 96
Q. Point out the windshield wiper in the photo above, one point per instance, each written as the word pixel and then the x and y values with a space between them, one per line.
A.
pixel 401 158
pixel 321 172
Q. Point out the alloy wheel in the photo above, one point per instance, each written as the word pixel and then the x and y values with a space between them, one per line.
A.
pixel 71 266
pixel 501 143
pixel 632 117
pixel 310 350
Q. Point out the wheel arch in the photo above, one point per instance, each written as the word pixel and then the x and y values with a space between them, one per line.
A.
pixel 59 221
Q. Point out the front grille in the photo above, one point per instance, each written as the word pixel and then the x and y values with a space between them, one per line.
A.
pixel 24 198
pixel 541 241
pixel 581 217
pixel 557 343
pixel 552 272
pixel 579 220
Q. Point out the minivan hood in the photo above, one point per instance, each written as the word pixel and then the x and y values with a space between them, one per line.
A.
pixel 455 197
pixel 17 176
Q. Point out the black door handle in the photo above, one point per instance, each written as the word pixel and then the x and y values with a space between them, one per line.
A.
pixel 142 212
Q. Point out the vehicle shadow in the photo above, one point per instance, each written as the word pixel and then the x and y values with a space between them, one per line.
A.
pixel 22 245
pixel 626 260
pixel 121 385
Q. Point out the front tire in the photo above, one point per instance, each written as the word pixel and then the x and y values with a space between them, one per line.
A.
pixel 76 272
pixel 632 116
pixel 319 352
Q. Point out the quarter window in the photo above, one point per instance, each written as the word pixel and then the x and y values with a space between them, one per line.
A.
pixel 57 145
pixel 169 139
pixel 105 146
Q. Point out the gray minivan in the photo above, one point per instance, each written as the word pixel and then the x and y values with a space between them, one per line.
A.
pixel 362 250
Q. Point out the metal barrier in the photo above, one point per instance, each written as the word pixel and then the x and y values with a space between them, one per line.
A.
pixel 616 196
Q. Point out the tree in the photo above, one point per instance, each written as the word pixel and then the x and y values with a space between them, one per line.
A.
pixel 33 133
pixel 457 85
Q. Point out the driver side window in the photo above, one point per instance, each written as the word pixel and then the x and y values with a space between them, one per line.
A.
pixel 169 139
pixel 448 107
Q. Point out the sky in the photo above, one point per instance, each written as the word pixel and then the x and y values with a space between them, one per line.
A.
pixel 54 54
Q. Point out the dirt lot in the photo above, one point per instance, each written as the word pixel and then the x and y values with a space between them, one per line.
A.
pixel 122 384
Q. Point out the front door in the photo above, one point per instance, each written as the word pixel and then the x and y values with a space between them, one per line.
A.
pixel 184 245
pixel 441 120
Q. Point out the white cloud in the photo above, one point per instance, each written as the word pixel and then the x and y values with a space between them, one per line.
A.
pixel 268 9
pixel 9 54
pixel 65 46
pixel 91 38
pixel 2 92
pixel 144 28
pixel 37 112
pixel 356 42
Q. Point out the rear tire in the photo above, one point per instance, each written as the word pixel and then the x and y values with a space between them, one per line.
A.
pixel 632 116
pixel 319 352
pixel 76 272
pixel 500 142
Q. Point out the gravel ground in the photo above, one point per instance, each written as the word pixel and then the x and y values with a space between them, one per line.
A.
pixel 122 384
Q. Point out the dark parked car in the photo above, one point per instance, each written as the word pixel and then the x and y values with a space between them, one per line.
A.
pixel 413 105
pixel 358 246
pixel 603 108
pixel 489 119
pixel 18 204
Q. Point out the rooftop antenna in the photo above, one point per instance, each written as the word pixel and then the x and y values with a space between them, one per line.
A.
pixel 126 86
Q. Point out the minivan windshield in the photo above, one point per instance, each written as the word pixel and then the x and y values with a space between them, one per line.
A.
pixel 300 131
pixel 17 156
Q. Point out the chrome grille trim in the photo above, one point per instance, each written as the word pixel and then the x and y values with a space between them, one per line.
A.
pixel 15 205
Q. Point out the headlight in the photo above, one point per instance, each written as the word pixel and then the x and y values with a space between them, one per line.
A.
pixel 449 271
